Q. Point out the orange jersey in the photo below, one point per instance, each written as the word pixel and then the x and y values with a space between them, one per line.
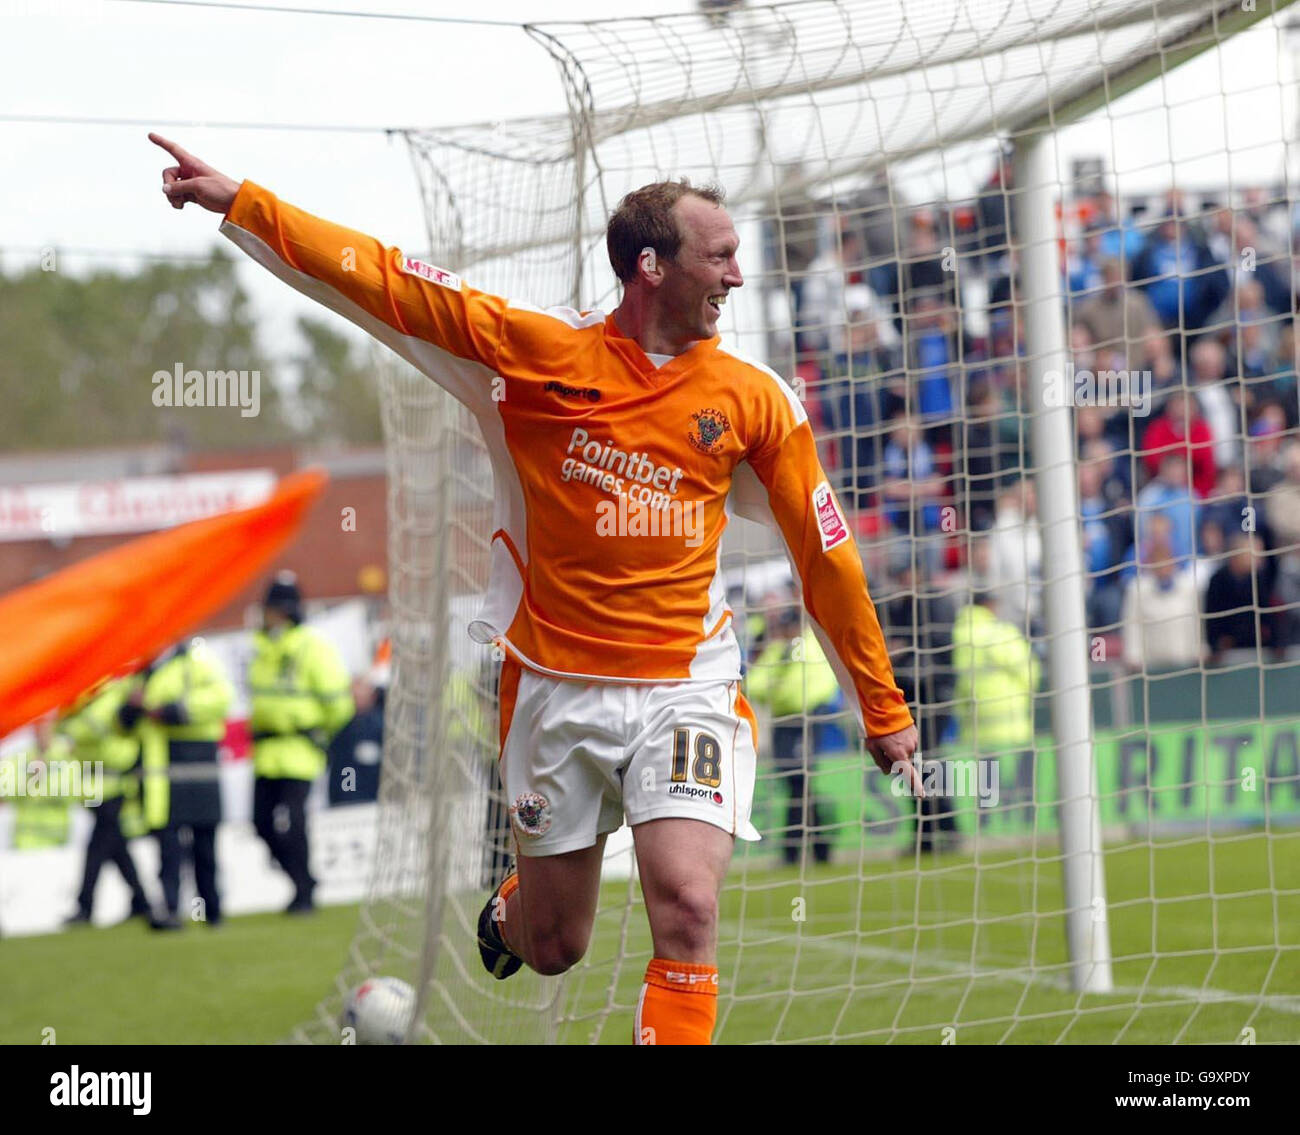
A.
pixel 614 478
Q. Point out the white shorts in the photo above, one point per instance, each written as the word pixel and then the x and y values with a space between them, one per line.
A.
pixel 577 756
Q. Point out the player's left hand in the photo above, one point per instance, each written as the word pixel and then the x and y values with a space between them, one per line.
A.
pixel 893 755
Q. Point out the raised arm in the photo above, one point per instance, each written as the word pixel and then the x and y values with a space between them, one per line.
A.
pixel 445 329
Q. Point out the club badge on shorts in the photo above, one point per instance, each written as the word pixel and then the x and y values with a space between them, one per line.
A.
pixel 531 813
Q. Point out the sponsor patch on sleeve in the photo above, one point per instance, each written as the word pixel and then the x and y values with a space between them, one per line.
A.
pixel 830 521
pixel 425 271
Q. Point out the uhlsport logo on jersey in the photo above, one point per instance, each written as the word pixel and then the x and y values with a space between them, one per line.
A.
pixel 830 521
pixel 710 425
pixel 590 393
pixel 531 813
pixel 413 267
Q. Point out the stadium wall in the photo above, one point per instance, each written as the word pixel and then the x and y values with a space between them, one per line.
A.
pixel 330 568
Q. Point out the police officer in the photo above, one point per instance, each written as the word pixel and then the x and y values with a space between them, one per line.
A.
pixel 997 675
pixel 793 678
pixel 917 624
pixel 97 740
pixel 178 709
pixel 301 697
pixel 32 784
pixel 356 752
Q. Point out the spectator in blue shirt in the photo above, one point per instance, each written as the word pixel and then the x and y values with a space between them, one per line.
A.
pixel 1175 270
pixel 1168 494
pixel 912 486
pixel 933 353
pixel 1100 552
pixel 1119 240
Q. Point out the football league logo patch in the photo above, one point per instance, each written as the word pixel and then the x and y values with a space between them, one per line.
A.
pixel 710 425
pixel 531 813
pixel 441 276
pixel 830 521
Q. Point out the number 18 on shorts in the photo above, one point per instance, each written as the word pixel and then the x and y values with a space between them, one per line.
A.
pixel 579 756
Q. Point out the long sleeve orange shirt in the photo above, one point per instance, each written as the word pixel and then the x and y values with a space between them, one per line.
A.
pixel 615 477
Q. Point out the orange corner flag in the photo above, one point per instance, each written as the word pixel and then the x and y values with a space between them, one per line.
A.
pixel 93 619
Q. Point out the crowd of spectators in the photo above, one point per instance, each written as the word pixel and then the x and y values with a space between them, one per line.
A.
pixel 907 334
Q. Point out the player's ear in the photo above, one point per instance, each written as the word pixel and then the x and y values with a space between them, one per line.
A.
pixel 648 266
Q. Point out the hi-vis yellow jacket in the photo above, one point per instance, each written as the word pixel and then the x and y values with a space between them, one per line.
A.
pixel 301 696
pixel 91 728
pixel 996 675
pixel 41 798
pixel 194 679
pixel 791 677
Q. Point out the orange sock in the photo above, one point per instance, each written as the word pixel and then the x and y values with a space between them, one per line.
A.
pixel 679 1003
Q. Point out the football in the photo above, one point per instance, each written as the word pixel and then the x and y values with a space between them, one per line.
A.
pixel 380 1010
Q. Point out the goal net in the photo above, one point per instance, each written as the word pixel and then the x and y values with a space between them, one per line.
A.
pixel 1029 266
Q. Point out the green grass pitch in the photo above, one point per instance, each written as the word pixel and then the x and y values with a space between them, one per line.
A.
pixel 1206 937
pixel 890 957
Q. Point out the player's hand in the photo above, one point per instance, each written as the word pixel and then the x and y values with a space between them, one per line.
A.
pixel 193 180
pixel 893 755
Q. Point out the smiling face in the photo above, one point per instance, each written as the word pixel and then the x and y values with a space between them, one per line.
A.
pixel 697 280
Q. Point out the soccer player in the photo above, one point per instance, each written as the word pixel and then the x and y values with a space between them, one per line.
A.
pixel 619 443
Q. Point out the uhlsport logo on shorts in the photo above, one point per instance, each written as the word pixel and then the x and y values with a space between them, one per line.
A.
pixel 693 792
pixel 531 812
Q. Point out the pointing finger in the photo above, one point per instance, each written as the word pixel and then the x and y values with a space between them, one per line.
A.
pixel 170 146
pixel 189 164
